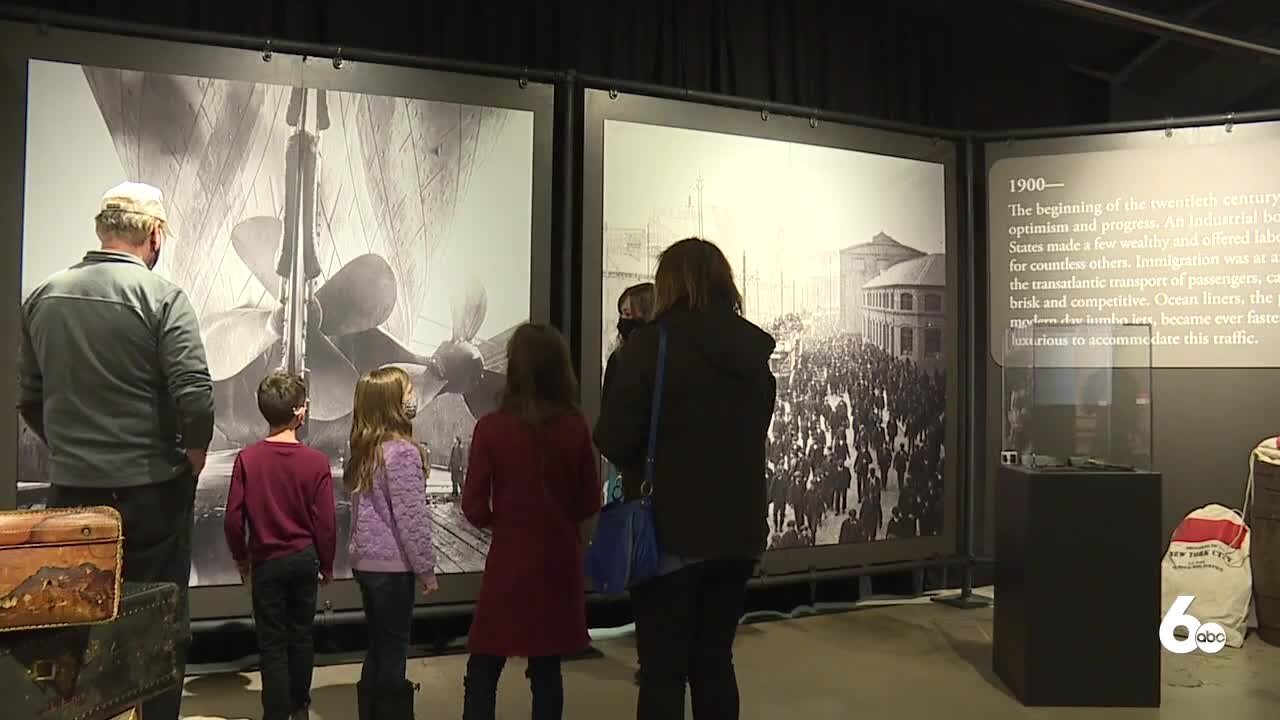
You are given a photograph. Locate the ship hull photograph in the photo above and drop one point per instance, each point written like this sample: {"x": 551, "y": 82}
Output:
{"x": 323, "y": 232}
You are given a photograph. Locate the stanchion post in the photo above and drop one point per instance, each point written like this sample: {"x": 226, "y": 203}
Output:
{"x": 966, "y": 599}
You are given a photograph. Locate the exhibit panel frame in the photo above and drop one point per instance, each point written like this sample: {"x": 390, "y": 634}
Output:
{"x": 1186, "y": 393}
{"x": 1169, "y": 135}
{"x": 27, "y": 42}
{"x": 602, "y": 105}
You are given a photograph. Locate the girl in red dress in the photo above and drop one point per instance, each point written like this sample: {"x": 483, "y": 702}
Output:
{"x": 533, "y": 480}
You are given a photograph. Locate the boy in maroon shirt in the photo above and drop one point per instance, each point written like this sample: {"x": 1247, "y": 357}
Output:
{"x": 281, "y": 528}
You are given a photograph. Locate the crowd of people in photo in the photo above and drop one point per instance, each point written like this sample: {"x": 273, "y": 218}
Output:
{"x": 853, "y": 424}
{"x": 135, "y": 436}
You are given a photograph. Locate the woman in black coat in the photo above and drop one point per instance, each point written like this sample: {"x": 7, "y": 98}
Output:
{"x": 709, "y": 488}
{"x": 635, "y": 308}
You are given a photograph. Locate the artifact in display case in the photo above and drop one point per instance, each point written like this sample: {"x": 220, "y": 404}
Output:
{"x": 1077, "y": 396}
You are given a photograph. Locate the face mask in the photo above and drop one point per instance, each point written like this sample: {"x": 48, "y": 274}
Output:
{"x": 155, "y": 258}
{"x": 411, "y": 409}
{"x": 626, "y": 326}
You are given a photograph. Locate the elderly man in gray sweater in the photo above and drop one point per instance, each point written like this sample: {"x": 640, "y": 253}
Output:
{"x": 113, "y": 378}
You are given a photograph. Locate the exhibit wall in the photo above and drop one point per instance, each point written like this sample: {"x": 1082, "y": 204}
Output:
{"x": 405, "y": 214}
{"x": 1175, "y": 229}
{"x": 842, "y": 242}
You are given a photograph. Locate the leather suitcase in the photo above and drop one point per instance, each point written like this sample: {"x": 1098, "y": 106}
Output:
{"x": 93, "y": 672}
{"x": 59, "y": 567}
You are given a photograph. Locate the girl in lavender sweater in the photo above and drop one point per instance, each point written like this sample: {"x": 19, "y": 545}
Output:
{"x": 390, "y": 547}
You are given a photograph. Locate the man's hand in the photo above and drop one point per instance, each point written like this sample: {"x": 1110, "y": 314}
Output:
{"x": 429, "y": 584}
{"x": 33, "y": 414}
{"x": 246, "y": 572}
{"x": 197, "y": 458}
{"x": 325, "y": 579}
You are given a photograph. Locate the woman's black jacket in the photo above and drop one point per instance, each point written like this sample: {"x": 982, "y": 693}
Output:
{"x": 718, "y": 399}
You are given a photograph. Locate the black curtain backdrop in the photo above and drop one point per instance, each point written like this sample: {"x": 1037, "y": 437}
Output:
{"x": 927, "y": 62}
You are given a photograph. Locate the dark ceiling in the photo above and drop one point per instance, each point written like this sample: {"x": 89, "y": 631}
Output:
{"x": 979, "y": 64}
{"x": 1155, "y": 74}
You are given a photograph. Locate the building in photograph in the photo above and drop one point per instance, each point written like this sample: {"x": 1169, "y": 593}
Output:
{"x": 858, "y": 265}
{"x": 904, "y": 312}
{"x": 630, "y": 253}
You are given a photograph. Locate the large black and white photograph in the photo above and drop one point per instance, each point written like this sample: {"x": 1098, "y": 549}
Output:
{"x": 841, "y": 255}
{"x": 324, "y": 232}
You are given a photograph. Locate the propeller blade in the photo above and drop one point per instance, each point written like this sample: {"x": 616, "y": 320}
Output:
{"x": 235, "y": 338}
{"x": 426, "y": 383}
{"x": 237, "y": 401}
{"x": 494, "y": 350}
{"x": 333, "y": 379}
{"x": 256, "y": 241}
{"x": 359, "y": 297}
{"x": 484, "y": 398}
{"x": 374, "y": 348}
{"x": 468, "y": 310}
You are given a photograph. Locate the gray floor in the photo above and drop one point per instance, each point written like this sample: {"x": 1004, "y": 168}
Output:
{"x": 918, "y": 660}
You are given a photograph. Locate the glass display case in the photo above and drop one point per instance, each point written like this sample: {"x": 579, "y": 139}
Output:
{"x": 1077, "y": 396}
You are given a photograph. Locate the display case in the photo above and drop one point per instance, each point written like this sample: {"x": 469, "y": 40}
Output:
{"x": 1077, "y": 395}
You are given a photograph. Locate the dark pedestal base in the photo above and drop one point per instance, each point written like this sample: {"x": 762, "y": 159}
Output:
{"x": 964, "y": 601}
{"x": 1078, "y": 581}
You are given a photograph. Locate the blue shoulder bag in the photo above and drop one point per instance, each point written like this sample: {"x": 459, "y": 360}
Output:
{"x": 624, "y": 552}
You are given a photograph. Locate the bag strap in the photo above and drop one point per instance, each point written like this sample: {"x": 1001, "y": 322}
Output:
{"x": 1248, "y": 488}
{"x": 650, "y": 458}
{"x": 1248, "y": 491}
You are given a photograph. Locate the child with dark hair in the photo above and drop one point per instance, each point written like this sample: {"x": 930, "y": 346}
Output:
{"x": 532, "y": 480}
{"x": 282, "y": 531}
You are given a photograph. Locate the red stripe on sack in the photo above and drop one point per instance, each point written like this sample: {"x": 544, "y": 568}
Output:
{"x": 1198, "y": 530}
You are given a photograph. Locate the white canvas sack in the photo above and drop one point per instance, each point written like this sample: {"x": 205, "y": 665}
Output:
{"x": 1208, "y": 558}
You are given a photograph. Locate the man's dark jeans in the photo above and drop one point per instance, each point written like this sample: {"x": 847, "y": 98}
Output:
{"x": 284, "y": 610}
{"x": 388, "y": 610}
{"x": 157, "y": 523}
{"x": 685, "y": 626}
{"x": 481, "y": 687}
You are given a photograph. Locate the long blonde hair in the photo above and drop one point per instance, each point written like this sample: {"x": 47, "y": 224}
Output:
{"x": 378, "y": 416}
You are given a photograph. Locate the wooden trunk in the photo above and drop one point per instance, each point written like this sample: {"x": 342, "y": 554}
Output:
{"x": 59, "y": 567}
{"x": 98, "y": 671}
{"x": 1264, "y": 554}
